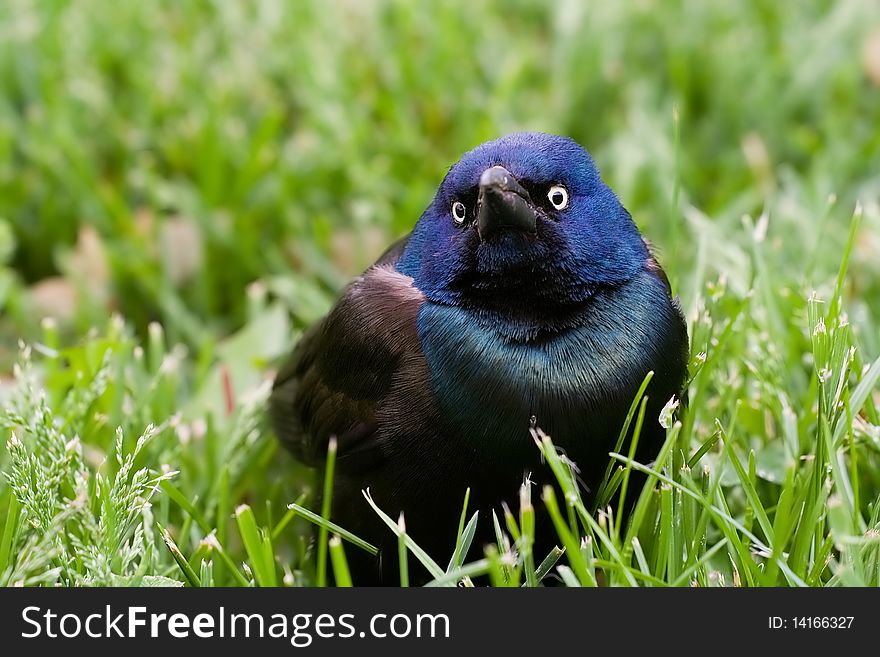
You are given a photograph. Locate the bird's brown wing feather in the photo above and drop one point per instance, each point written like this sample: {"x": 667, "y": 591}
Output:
{"x": 345, "y": 368}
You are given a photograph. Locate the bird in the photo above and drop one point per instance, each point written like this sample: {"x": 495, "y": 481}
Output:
{"x": 524, "y": 296}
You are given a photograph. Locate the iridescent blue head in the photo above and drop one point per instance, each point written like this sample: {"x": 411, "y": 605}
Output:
{"x": 522, "y": 222}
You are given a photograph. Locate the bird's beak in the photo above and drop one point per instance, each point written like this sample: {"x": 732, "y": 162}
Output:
{"x": 503, "y": 204}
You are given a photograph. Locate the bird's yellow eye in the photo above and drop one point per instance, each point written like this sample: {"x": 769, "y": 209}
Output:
{"x": 558, "y": 197}
{"x": 459, "y": 212}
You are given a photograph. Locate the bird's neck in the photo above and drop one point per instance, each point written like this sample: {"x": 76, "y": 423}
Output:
{"x": 525, "y": 305}
{"x": 574, "y": 382}
{"x": 522, "y": 314}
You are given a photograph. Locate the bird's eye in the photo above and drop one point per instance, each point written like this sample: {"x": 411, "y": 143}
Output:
{"x": 459, "y": 212}
{"x": 558, "y": 197}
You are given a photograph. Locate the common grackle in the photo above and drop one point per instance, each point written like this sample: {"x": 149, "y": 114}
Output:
{"x": 524, "y": 295}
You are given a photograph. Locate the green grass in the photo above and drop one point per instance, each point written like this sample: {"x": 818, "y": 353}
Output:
{"x": 184, "y": 187}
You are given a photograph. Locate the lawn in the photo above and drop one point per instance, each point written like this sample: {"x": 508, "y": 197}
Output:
{"x": 184, "y": 187}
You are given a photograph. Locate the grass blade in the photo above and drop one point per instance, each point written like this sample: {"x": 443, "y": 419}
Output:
{"x": 258, "y": 546}
{"x": 549, "y": 561}
{"x": 431, "y": 565}
{"x": 326, "y": 505}
{"x": 189, "y": 574}
{"x": 314, "y": 518}
{"x": 9, "y": 530}
{"x": 340, "y": 565}
{"x": 402, "y": 554}
{"x": 459, "y": 549}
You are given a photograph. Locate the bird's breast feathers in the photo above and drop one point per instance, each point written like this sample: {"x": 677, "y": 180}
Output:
{"x": 494, "y": 386}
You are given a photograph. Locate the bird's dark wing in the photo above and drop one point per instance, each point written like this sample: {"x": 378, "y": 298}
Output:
{"x": 348, "y": 368}
{"x": 655, "y": 268}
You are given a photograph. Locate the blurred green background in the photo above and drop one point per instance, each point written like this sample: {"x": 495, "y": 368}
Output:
{"x": 185, "y": 186}
{"x": 157, "y": 158}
